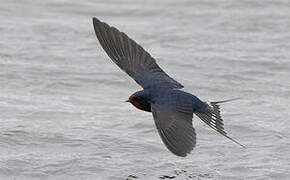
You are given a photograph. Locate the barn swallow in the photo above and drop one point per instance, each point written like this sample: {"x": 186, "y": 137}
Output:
{"x": 172, "y": 108}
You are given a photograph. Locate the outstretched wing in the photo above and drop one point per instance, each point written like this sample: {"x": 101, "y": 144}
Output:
{"x": 132, "y": 58}
{"x": 174, "y": 124}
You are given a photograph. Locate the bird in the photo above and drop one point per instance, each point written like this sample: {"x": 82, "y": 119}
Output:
{"x": 172, "y": 108}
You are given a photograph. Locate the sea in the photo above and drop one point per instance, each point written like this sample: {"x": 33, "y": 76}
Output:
{"x": 62, "y": 109}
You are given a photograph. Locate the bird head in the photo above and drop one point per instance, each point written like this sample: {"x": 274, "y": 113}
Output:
{"x": 132, "y": 98}
{"x": 139, "y": 102}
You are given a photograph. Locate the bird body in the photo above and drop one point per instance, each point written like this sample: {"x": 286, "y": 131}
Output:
{"x": 169, "y": 97}
{"x": 174, "y": 97}
{"x": 172, "y": 108}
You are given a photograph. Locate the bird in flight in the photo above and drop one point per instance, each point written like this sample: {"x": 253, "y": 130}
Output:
{"x": 172, "y": 108}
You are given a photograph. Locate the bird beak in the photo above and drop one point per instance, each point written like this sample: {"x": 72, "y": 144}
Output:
{"x": 127, "y": 100}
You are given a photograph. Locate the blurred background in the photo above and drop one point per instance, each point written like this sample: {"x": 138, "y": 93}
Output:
{"x": 62, "y": 109}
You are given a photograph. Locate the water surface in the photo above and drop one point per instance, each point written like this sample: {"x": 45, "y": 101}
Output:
{"x": 61, "y": 99}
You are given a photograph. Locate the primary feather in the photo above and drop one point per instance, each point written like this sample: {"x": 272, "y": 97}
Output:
{"x": 132, "y": 58}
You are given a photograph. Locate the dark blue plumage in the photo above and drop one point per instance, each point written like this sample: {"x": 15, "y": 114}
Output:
{"x": 172, "y": 108}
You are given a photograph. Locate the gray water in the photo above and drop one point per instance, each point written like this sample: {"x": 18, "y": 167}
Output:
{"x": 62, "y": 109}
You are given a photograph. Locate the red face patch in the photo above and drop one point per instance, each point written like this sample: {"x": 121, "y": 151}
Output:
{"x": 134, "y": 100}
{"x": 132, "y": 97}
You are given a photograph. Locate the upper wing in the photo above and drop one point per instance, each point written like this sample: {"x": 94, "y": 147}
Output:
{"x": 174, "y": 124}
{"x": 132, "y": 58}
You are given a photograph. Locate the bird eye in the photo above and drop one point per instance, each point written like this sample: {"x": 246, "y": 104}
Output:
{"x": 133, "y": 97}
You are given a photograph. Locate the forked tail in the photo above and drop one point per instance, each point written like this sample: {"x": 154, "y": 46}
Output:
{"x": 212, "y": 117}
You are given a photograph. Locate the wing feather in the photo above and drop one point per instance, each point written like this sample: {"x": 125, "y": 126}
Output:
{"x": 132, "y": 58}
{"x": 175, "y": 128}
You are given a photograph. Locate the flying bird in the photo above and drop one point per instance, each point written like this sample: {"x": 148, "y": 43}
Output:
{"x": 172, "y": 108}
